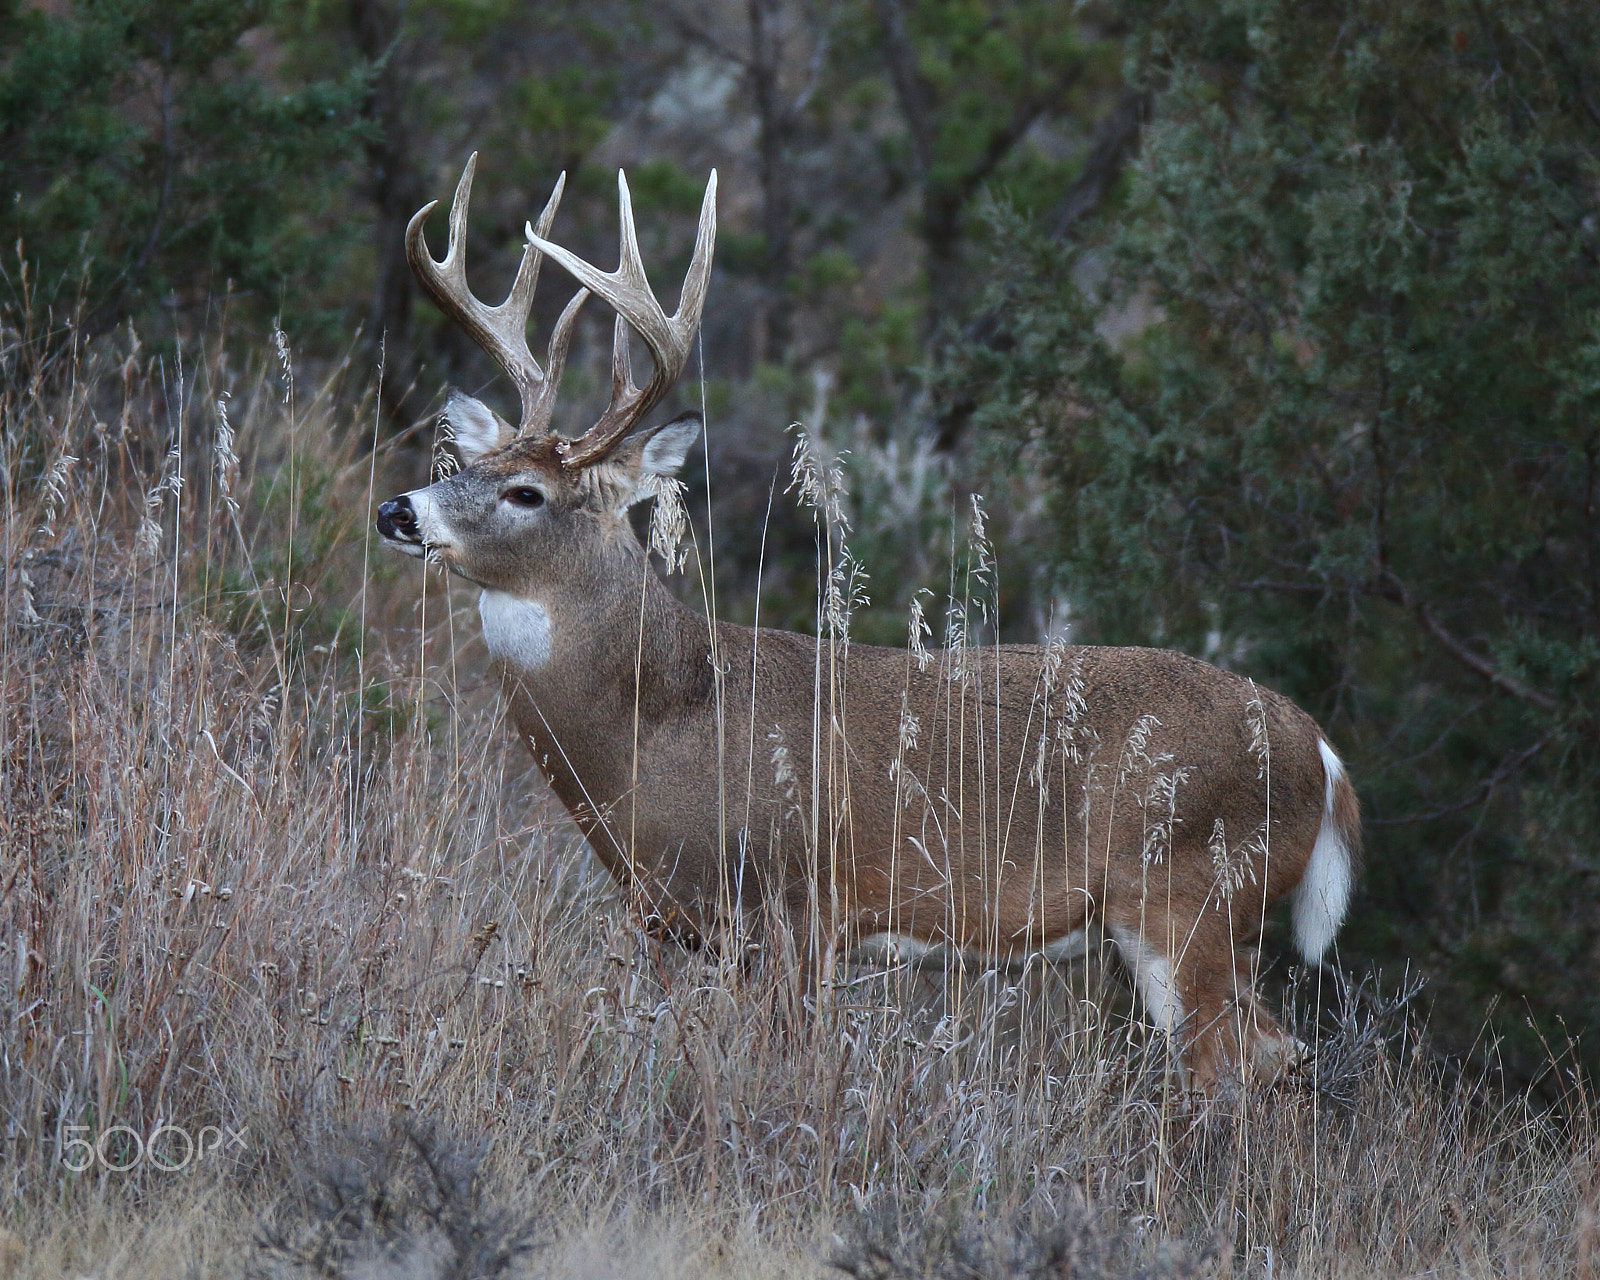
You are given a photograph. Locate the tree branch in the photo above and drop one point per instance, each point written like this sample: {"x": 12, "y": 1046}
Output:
{"x": 1479, "y": 794}
{"x": 907, "y": 81}
{"x": 693, "y": 30}
{"x": 819, "y": 60}
{"x": 1113, "y": 141}
{"x": 1003, "y": 140}
{"x": 1398, "y": 592}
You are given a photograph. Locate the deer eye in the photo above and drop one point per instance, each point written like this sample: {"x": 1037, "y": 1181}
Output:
{"x": 525, "y": 496}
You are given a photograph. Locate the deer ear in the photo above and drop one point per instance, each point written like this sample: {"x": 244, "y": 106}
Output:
{"x": 474, "y": 426}
{"x": 642, "y": 455}
{"x": 668, "y": 445}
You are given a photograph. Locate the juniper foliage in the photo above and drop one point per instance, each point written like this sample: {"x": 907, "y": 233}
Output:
{"x": 150, "y": 161}
{"x": 1322, "y": 402}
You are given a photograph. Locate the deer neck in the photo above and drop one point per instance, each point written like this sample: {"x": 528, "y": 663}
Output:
{"x": 588, "y": 673}
{"x": 589, "y": 677}
{"x": 604, "y": 637}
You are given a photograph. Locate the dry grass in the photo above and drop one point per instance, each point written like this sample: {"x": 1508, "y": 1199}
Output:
{"x": 270, "y": 865}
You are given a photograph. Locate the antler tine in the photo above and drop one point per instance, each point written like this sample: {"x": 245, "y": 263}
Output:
{"x": 546, "y": 216}
{"x": 537, "y": 419}
{"x": 621, "y": 362}
{"x": 693, "y": 298}
{"x": 627, "y": 290}
{"x": 501, "y": 331}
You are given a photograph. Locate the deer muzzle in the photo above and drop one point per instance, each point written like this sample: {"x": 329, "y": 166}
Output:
{"x": 397, "y": 524}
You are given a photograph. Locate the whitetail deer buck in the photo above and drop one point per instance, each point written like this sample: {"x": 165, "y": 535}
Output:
{"x": 1009, "y": 800}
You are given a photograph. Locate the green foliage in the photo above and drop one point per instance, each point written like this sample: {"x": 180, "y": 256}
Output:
{"x": 144, "y": 156}
{"x": 664, "y": 184}
{"x": 990, "y": 67}
{"x": 971, "y": 79}
{"x": 874, "y": 352}
{"x": 1340, "y": 427}
{"x": 565, "y": 109}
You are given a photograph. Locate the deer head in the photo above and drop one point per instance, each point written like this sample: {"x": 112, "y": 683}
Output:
{"x": 531, "y": 508}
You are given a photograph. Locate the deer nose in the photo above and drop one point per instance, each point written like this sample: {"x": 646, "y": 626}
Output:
{"x": 397, "y": 519}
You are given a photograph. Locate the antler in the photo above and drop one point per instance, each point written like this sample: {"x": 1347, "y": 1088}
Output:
{"x": 501, "y": 331}
{"x": 628, "y": 291}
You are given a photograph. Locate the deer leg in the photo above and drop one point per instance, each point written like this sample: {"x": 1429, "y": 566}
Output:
{"x": 1154, "y": 978}
{"x": 1270, "y": 1050}
{"x": 1205, "y": 995}
{"x": 809, "y": 953}
{"x": 1196, "y": 985}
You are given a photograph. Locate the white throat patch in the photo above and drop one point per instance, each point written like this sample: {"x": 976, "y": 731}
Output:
{"x": 516, "y": 631}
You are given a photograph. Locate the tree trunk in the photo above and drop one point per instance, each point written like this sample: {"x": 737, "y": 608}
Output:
{"x": 775, "y": 126}
{"x": 393, "y": 185}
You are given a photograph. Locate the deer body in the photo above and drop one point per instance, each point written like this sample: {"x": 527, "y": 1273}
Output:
{"x": 1005, "y": 799}
{"x": 958, "y": 838}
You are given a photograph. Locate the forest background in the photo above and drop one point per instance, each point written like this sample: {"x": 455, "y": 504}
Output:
{"x": 1268, "y": 330}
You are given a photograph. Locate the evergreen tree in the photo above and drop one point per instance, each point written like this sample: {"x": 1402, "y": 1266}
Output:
{"x": 1323, "y": 403}
{"x": 145, "y": 155}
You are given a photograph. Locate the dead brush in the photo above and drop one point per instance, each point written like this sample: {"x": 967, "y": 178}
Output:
{"x": 263, "y": 871}
{"x": 407, "y": 1201}
{"x": 889, "y": 1244}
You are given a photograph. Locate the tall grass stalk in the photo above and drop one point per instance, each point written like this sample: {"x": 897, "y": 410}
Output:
{"x": 270, "y": 864}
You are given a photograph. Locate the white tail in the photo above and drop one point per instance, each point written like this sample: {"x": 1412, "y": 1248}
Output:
{"x": 1323, "y": 895}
